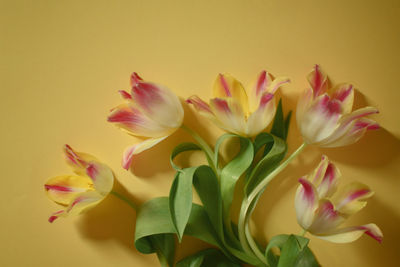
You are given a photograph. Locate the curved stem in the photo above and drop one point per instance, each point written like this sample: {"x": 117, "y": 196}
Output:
{"x": 253, "y": 244}
{"x": 244, "y": 211}
{"x": 274, "y": 173}
{"x": 125, "y": 199}
{"x": 303, "y": 232}
{"x": 241, "y": 228}
{"x": 203, "y": 144}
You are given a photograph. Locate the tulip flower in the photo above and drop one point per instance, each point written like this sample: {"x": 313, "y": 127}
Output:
{"x": 324, "y": 115}
{"x": 150, "y": 111}
{"x": 322, "y": 206}
{"x": 91, "y": 183}
{"x": 237, "y": 111}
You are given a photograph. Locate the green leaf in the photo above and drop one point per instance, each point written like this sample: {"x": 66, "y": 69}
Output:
{"x": 287, "y": 123}
{"x": 293, "y": 252}
{"x": 206, "y": 258}
{"x": 268, "y": 163}
{"x": 188, "y": 146}
{"x": 207, "y": 187}
{"x": 180, "y": 199}
{"x": 164, "y": 245}
{"x": 280, "y": 126}
{"x": 206, "y": 183}
{"x": 231, "y": 173}
{"x": 153, "y": 218}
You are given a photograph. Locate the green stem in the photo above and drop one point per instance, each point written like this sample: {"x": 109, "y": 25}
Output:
{"x": 245, "y": 214}
{"x": 203, "y": 144}
{"x": 241, "y": 229}
{"x": 253, "y": 245}
{"x": 303, "y": 232}
{"x": 125, "y": 199}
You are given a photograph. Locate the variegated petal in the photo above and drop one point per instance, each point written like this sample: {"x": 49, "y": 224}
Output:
{"x": 63, "y": 189}
{"x": 226, "y": 86}
{"x": 351, "y": 234}
{"x": 137, "y": 148}
{"x": 306, "y": 203}
{"x": 350, "y": 198}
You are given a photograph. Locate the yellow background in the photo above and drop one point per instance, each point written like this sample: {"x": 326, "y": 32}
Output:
{"x": 62, "y": 63}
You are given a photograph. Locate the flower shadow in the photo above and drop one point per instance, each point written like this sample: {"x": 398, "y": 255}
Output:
{"x": 113, "y": 221}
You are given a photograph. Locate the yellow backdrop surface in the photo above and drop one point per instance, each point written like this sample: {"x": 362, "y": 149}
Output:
{"x": 62, "y": 63}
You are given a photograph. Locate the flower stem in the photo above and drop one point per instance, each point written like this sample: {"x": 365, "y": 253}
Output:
{"x": 203, "y": 144}
{"x": 244, "y": 232}
{"x": 303, "y": 232}
{"x": 125, "y": 199}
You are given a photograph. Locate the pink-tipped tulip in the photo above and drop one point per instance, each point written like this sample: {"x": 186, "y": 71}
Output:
{"x": 237, "y": 111}
{"x": 91, "y": 183}
{"x": 321, "y": 207}
{"x": 324, "y": 115}
{"x": 151, "y": 111}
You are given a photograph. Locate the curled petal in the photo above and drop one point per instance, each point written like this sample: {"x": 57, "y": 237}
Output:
{"x": 135, "y": 122}
{"x": 137, "y": 148}
{"x": 351, "y": 234}
{"x": 276, "y": 83}
{"x": 318, "y": 81}
{"x": 306, "y": 203}
{"x": 351, "y": 198}
{"x": 262, "y": 117}
{"x": 345, "y": 94}
{"x": 326, "y": 218}
{"x": 81, "y": 203}
{"x": 63, "y": 189}
{"x": 229, "y": 114}
{"x": 226, "y": 86}
{"x": 158, "y": 103}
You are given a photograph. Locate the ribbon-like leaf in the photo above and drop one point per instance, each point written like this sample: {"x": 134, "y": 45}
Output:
{"x": 188, "y": 146}
{"x": 232, "y": 172}
{"x": 269, "y": 162}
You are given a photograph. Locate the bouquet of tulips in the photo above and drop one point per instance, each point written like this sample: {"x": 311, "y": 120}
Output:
{"x": 322, "y": 202}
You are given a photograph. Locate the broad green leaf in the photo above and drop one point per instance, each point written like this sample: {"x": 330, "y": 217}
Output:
{"x": 207, "y": 258}
{"x": 268, "y": 163}
{"x": 153, "y": 218}
{"x": 188, "y": 146}
{"x": 164, "y": 245}
{"x": 206, "y": 183}
{"x": 180, "y": 199}
{"x": 293, "y": 252}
